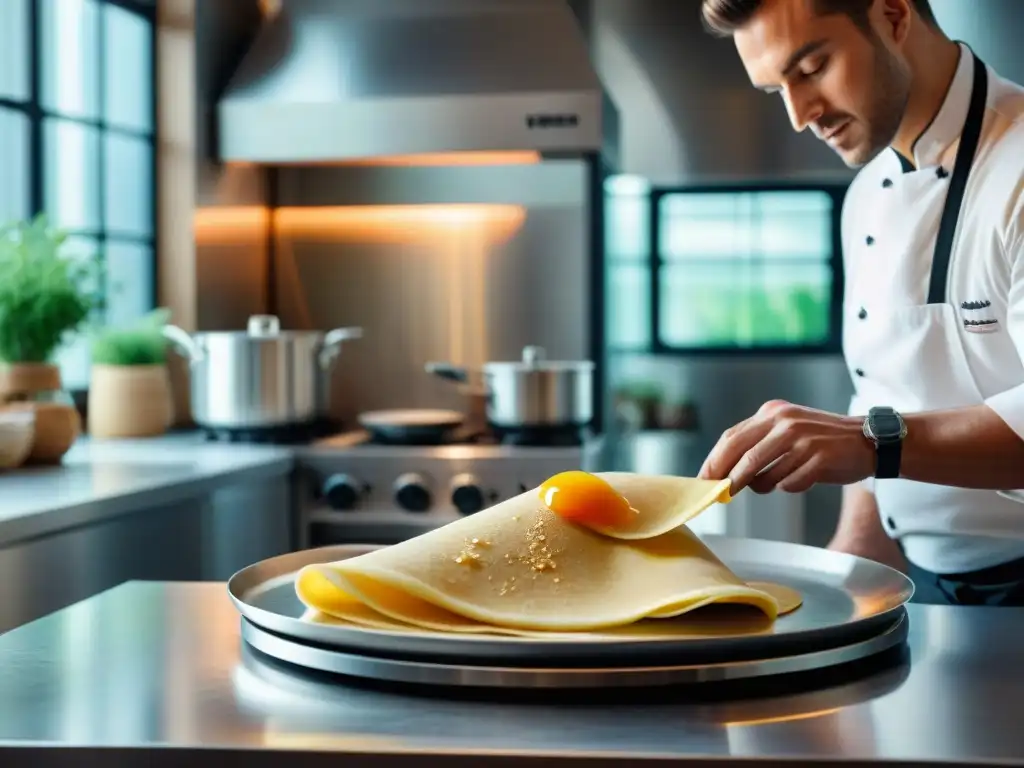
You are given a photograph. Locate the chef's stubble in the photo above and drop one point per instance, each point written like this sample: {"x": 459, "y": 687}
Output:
{"x": 891, "y": 89}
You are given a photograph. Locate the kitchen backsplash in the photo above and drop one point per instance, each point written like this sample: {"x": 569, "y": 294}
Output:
{"x": 457, "y": 264}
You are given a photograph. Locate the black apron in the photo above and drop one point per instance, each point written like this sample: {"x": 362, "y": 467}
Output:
{"x": 1001, "y": 584}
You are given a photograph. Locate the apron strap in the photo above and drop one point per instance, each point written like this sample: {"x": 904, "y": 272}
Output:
{"x": 958, "y": 184}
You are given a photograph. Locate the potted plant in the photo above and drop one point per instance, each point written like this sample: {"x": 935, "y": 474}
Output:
{"x": 129, "y": 387}
{"x": 44, "y": 297}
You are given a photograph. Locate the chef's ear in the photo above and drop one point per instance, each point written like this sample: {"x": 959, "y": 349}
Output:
{"x": 896, "y": 17}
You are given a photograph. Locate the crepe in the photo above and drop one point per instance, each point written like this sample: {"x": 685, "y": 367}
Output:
{"x": 658, "y": 503}
{"x": 518, "y": 568}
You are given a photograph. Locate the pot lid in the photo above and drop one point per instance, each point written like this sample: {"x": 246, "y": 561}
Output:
{"x": 535, "y": 359}
{"x": 262, "y": 327}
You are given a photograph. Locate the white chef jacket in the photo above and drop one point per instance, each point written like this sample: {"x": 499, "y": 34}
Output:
{"x": 914, "y": 356}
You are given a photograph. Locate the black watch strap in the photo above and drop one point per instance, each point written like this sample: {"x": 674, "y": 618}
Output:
{"x": 887, "y": 459}
{"x": 886, "y": 428}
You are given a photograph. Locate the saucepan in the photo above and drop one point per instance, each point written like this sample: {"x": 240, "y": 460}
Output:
{"x": 532, "y": 392}
{"x": 262, "y": 376}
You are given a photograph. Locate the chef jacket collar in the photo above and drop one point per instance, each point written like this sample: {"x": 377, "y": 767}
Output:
{"x": 948, "y": 123}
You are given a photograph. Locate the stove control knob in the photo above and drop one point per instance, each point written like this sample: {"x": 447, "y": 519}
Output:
{"x": 412, "y": 492}
{"x": 467, "y": 495}
{"x": 342, "y": 492}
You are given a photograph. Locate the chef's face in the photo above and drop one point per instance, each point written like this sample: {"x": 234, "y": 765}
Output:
{"x": 847, "y": 83}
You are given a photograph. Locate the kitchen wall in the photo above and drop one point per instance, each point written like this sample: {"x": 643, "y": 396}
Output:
{"x": 991, "y": 27}
{"x": 463, "y": 265}
{"x": 688, "y": 111}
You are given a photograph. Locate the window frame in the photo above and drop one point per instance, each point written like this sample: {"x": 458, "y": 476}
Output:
{"x": 32, "y": 108}
{"x": 832, "y": 344}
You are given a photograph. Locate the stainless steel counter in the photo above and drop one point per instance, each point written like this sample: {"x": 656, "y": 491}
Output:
{"x": 100, "y": 479}
{"x": 154, "y": 673}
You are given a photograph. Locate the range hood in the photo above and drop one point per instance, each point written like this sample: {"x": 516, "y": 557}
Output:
{"x": 332, "y": 81}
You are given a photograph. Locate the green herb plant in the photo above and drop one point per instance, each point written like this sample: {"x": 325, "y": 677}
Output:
{"x": 139, "y": 344}
{"x": 44, "y": 296}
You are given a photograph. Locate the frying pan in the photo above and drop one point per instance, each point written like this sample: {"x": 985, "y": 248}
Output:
{"x": 414, "y": 426}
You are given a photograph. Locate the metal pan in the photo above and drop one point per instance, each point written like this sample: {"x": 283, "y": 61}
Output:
{"x": 269, "y": 685}
{"x": 553, "y": 677}
{"x": 412, "y": 426}
{"x": 846, "y": 599}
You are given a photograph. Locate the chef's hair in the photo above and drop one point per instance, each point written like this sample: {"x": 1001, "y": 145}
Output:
{"x": 723, "y": 17}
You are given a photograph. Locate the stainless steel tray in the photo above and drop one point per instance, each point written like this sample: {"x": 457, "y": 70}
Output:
{"x": 847, "y": 599}
{"x": 326, "y": 659}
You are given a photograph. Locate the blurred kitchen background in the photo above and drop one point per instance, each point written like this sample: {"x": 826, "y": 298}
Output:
{"x": 231, "y": 158}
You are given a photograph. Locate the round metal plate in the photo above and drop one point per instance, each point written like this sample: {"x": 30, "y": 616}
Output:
{"x": 478, "y": 676}
{"x": 846, "y": 599}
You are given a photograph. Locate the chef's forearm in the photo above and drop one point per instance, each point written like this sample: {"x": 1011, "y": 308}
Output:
{"x": 966, "y": 447}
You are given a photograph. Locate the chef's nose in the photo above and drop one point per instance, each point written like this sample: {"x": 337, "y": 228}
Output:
{"x": 803, "y": 106}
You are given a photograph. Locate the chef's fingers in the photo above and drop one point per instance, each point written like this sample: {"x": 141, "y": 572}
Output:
{"x": 732, "y": 445}
{"x": 769, "y": 477}
{"x": 778, "y": 442}
{"x": 807, "y": 474}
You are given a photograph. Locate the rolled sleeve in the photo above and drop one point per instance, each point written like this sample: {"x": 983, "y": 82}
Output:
{"x": 1010, "y": 407}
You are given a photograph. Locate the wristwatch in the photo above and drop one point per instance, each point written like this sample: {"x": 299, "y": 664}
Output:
{"x": 886, "y": 429}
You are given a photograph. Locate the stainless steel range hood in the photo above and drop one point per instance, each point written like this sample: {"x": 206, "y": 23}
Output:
{"x": 329, "y": 81}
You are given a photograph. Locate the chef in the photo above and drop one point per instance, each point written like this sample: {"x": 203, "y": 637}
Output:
{"x": 931, "y": 450}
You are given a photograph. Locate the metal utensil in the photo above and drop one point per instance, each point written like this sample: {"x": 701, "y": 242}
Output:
{"x": 262, "y": 376}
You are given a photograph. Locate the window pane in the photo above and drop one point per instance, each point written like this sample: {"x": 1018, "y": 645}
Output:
{"x": 627, "y": 218}
{"x": 794, "y": 225}
{"x": 69, "y": 43}
{"x": 14, "y": 49}
{"x": 73, "y": 357}
{"x": 14, "y": 190}
{"x": 629, "y": 305}
{"x": 128, "y": 185}
{"x": 129, "y": 69}
{"x": 70, "y": 154}
{"x": 705, "y": 226}
{"x": 129, "y": 282}
{"x": 744, "y": 304}
{"x": 776, "y": 224}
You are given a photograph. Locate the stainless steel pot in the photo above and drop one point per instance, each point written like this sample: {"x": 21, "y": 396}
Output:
{"x": 262, "y": 376}
{"x": 533, "y": 392}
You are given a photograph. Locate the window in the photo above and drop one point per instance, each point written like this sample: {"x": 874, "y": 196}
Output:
{"x": 77, "y": 141}
{"x": 731, "y": 269}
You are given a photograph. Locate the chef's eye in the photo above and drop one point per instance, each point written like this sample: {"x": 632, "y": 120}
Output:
{"x": 814, "y": 67}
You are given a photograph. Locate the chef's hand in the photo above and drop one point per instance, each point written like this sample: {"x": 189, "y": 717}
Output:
{"x": 791, "y": 448}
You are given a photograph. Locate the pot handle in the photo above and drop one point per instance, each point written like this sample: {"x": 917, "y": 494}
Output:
{"x": 184, "y": 343}
{"x": 448, "y": 371}
{"x": 330, "y": 348}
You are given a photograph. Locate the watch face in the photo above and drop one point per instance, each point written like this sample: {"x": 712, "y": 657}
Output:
{"x": 886, "y": 426}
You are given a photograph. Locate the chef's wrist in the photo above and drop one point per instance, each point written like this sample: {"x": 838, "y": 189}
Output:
{"x": 964, "y": 447}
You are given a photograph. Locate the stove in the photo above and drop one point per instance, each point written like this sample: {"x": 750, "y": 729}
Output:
{"x": 352, "y": 490}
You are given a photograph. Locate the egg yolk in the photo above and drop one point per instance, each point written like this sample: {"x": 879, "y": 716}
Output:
{"x": 583, "y": 498}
